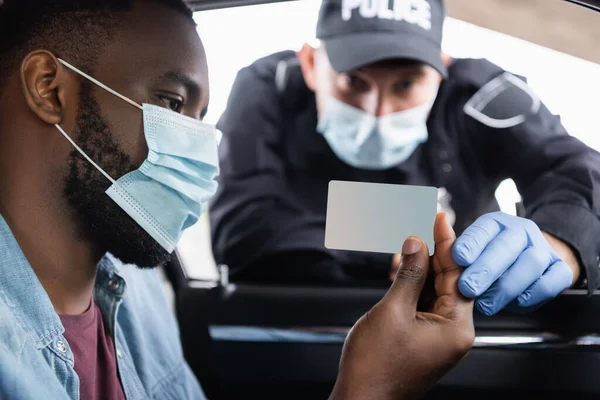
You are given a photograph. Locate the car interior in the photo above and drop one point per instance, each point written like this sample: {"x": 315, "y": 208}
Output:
{"x": 257, "y": 341}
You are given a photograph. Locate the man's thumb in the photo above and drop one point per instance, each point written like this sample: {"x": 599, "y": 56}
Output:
{"x": 412, "y": 274}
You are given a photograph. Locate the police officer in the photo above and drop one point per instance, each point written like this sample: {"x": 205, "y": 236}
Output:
{"x": 378, "y": 102}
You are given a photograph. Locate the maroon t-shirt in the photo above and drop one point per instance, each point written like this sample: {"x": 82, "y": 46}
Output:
{"x": 94, "y": 353}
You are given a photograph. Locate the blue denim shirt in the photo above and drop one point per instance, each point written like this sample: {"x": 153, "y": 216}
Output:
{"x": 36, "y": 361}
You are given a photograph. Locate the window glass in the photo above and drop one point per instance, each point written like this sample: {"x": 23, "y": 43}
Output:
{"x": 236, "y": 37}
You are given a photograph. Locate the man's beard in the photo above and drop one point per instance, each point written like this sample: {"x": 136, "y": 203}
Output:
{"x": 100, "y": 220}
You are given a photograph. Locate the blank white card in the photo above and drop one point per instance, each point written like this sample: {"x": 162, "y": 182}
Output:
{"x": 377, "y": 217}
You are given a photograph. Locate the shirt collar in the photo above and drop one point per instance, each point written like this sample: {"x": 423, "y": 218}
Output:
{"x": 24, "y": 294}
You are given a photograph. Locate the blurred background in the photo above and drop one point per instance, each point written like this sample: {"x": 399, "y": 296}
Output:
{"x": 554, "y": 44}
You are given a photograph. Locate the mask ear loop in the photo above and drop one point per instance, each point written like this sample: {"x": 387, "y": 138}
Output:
{"x": 83, "y": 154}
{"x": 103, "y": 86}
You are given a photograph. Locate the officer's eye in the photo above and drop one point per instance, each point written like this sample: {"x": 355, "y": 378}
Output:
{"x": 354, "y": 82}
{"x": 173, "y": 104}
{"x": 405, "y": 85}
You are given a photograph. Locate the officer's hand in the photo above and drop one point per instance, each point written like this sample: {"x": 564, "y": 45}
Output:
{"x": 510, "y": 263}
{"x": 396, "y": 352}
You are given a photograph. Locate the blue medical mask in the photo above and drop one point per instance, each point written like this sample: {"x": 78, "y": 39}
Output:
{"x": 363, "y": 140}
{"x": 169, "y": 192}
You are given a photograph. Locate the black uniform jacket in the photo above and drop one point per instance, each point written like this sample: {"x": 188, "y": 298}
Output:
{"x": 268, "y": 216}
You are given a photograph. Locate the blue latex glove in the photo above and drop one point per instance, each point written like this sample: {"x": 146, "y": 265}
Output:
{"x": 509, "y": 263}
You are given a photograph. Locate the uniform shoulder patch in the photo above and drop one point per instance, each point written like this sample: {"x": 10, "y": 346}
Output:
{"x": 283, "y": 73}
{"x": 504, "y": 102}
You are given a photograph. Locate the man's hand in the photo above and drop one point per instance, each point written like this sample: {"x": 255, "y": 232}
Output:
{"x": 395, "y": 352}
{"x": 511, "y": 263}
{"x": 395, "y": 265}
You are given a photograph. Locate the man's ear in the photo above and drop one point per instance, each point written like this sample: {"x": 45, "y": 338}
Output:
{"x": 446, "y": 59}
{"x": 42, "y": 82}
{"x": 306, "y": 55}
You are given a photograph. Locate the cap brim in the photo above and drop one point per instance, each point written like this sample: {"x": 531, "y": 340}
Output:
{"x": 349, "y": 52}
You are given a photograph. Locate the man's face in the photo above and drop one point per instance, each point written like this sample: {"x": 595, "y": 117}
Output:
{"x": 158, "y": 59}
{"x": 379, "y": 89}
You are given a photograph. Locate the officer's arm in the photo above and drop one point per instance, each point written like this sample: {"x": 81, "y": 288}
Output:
{"x": 513, "y": 135}
{"x": 258, "y": 227}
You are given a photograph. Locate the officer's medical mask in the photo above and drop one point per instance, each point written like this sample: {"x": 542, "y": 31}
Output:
{"x": 363, "y": 140}
{"x": 168, "y": 193}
